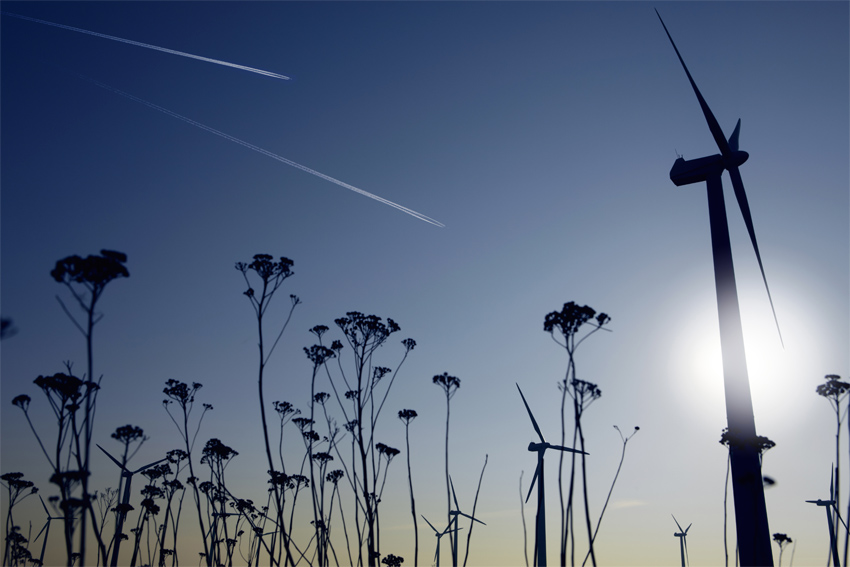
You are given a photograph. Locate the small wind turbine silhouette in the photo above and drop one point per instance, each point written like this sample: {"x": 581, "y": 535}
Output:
{"x": 125, "y": 499}
{"x": 833, "y": 543}
{"x": 439, "y": 535}
{"x": 750, "y": 510}
{"x": 45, "y": 529}
{"x": 454, "y": 514}
{"x": 540, "y": 448}
{"x": 683, "y": 542}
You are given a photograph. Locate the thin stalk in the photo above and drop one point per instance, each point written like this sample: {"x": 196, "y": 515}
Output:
{"x": 474, "y": 505}
{"x": 522, "y": 514}
{"x": 412, "y": 500}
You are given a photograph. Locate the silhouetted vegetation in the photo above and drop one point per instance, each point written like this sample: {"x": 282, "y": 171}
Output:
{"x": 342, "y": 458}
{"x": 835, "y": 391}
{"x": 782, "y": 541}
{"x": 566, "y": 329}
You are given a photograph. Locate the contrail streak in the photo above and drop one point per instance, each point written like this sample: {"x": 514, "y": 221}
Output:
{"x": 401, "y": 208}
{"x": 149, "y": 46}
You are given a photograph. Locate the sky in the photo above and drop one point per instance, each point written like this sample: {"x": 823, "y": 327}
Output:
{"x": 541, "y": 135}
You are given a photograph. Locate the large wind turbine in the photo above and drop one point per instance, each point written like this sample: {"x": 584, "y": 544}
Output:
{"x": 750, "y": 511}
{"x": 540, "y": 448}
{"x": 683, "y": 542}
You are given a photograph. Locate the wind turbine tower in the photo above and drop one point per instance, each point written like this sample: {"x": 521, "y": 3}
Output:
{"x": 750, "y": 510}
{"x": 540, "y": 449}
{"x": 833, "y": 541}
{"x": 683, "y": 542}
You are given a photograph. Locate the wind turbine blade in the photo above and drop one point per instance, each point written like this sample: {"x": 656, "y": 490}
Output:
{"x": 46, "y": 525}
{"x": 140, "y": 469}
{"x": 716, "y": 131}
{"x": 562, "y": 448}
{"x": 831, "y": 485}
{"x": 436, "y": 531}
{"x": 533, "y": 480}
{"x": 43, "y": 505}
{"x": 838, "y": 513}
{"x": 733, "y": 139}
{"x": 531, "y": 415}
{"x": 451, "y": 482}
{"x": 471, "y": 518}
{"x": 741, "y": 196}
{"x": 674, "y": 517}
{"x": 689, "y": 527}
{"x": 114, "y": 460}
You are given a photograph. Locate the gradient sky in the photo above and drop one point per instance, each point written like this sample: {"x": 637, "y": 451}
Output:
{"x": 541, "y": 135}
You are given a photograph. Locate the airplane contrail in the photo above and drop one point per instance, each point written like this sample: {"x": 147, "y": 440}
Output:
{"x": 248, "y": 145}
{"x": 149, "y": 46}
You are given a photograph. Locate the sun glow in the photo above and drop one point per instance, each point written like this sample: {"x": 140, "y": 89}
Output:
{"x": 775, "y": 373}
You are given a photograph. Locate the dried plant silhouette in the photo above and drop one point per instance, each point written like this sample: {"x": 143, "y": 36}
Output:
{"x": 760, "y": 444}
{"x": 449, "y": 385}
{"x": 232, "y": 529}
{"x": 68, "y": 396}
{"x": 782, "y": 541}
{"x": 18, "y": 489}
{"x": 271, "y": 275}
{"x": 406, "y": 416}
{"x": 569, "y": 327}
{"x": 835, "y": 392}
{"x": 625, "y": 440}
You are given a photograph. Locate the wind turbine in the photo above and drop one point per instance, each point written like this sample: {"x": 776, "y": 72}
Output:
{"x": 540, "y": 448}
{"x": 439, "y": 535}
{"x": 45, "y": 529}
{"x": 125, "y": 500}
{"x": 683, "y": 542}
{"x": 833, "y": 543}
{"x": 454, "y": 514}
{"x": 750, "y": 511}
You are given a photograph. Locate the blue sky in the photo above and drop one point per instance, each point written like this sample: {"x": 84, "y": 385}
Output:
{"x": 541, "y": 135}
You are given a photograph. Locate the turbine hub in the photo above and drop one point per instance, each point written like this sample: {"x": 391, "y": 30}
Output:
{"x": 735, "y": 159}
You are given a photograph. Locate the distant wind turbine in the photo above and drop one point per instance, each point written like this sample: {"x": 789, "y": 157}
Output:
{"x": 149, "y": 46}
{"x": 439, "y": 535}
{"x": 125, "y": 500}
{"x": 833, "y": 540}
{"x": 683, "y": 543}
{"x": 454, "y": 514}
{"x": 750, "y": 511}
{"x": 45, "y": 530}
{"x": 540, "y": 448}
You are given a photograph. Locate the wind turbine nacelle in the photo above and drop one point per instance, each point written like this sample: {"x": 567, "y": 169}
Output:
{"x": 536, "y": 447}
{"x": 685, "y": 172}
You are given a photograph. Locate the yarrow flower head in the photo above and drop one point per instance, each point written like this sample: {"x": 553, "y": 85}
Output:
{"x": 449, "y": 384}
{"x": 407, "y": 415}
